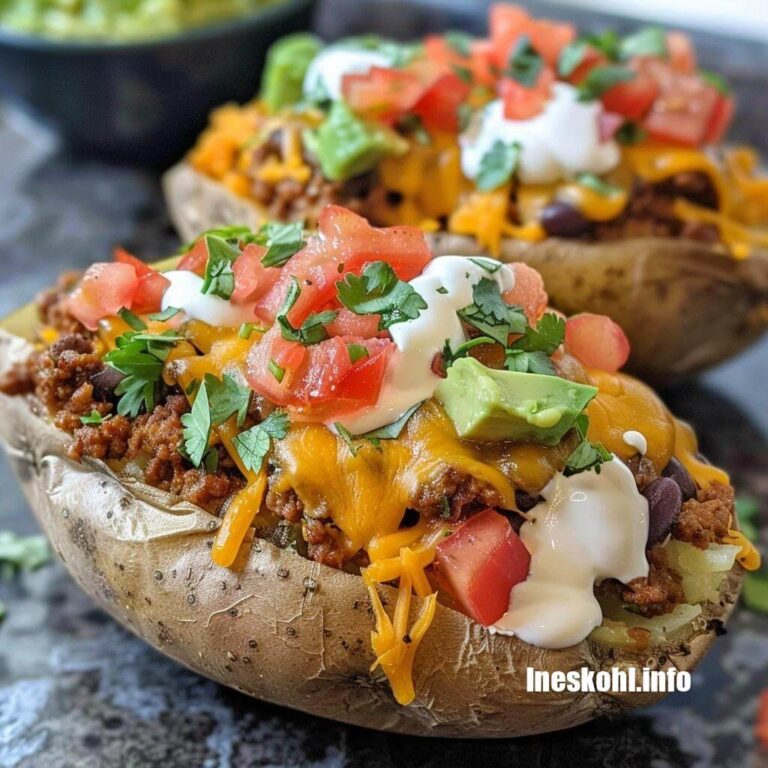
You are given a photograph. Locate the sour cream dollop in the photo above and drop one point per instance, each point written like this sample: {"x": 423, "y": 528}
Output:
{"x": 446, "y": 285}
{"x": 557, "y": 144}
{"x": 589, "y": 528}
{"x": 185, "y": 293}
{"x": 326, "y": 71}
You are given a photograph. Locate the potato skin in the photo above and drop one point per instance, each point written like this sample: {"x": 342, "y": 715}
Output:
{"x": 685, "y": 305}
{"x": 282, "y": 628}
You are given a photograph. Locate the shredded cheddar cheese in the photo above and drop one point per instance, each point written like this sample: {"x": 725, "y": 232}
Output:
{"x": 749, "y": 557}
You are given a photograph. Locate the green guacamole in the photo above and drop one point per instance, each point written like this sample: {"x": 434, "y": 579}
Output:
{"x": 118, "y": 20}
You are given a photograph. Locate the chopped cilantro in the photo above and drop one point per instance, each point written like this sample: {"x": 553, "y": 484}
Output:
{"x": 226, "y": 398}
{"x": 601, "y": 79}
{"x": 196, "y": 430}
{"x": 596, "y": 184}
{"x": 460, "y": 42}
{"x": 378, "y": 291}
{"x": 648, "y": 41}
{"x": 281, "y": 240}
{"x": 140, "y": 357}
{"x": 94, "y": 418}
{"x": 528, "y": 362}
{"x": 491, "y": 266}
{"x": 254, "y": 444}
{"x": 246, "y": 329}
{"x": 346, "y": 436}
{"x": 450, "y": 356}
{"x": 356, "y": 352}
{"x": 491, "y": 315}
{"x": 441, "y": 290}
{"x": 586, "y": 455}
{"x": 571, "y": 56}
{"x": 22, "y": 553}
{"x": 312, "y": 330}
{"x": 630, "y": 133}
{"x": 498, "y": 165}
{"x": 166, "y": 314}
{"x": 234, "y": 234}
{"x": 715, "y": 80}
{"x": 393, "y": 430}
{"x": 525, "y": 64}
{"x": 219, "y": 278}
{"x": 277, "y": 371}
{"x": 132, "y": 320}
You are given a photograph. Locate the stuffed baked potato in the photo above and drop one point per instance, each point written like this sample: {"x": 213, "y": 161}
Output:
{"x": 596, "y": 159}
{"x": 312, "y": 470}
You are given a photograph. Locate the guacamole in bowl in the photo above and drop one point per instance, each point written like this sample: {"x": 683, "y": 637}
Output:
{"x": 119, "y": 20}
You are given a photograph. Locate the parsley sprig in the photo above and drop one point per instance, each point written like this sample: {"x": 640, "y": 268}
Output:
{"x": 379, "y": 291}
{"x": 254, "y": 444}
{"x": 498, "y": 165}
{"x": 491, "y": 315}
{"x": 587, "y": 455}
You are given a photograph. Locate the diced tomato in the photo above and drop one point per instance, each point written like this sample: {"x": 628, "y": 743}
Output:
{"x": 252, "y": 278}
{"x": 480, "y": 563}
{"x": 321, "y": 380}
{"x": 106, "y": 288}
{"x": 521, "y": 103}
{"x": 633, "y": 98}
{"x": 683, "y": 110}
{"x": 528, "y": 292}
{"x": 347, "y": 323}
{"x": 607, "y": 125}
{"x": 152, "y": 285}
{"x": 195, "y": 259}
{"x": 592, "y": 58}
{"x": 721, "y": 118}
{"x": 682, "y": 56}
{"x": 481, "y": 62}
{"x": 382, "y": 93}
{"x": 438, "y": 108}
{"x": 345, "y": 243}
{"x": 509, "y": 22}
{"x": 596, "y": 341}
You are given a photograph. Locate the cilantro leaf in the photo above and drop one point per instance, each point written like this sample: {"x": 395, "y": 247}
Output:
{"x": 649, "y": 41}
{"x": 630, "y": 133}
{"x": 140, "y": 357}
{"x": 166, "y": 314}
{"x": 528, "y": 362}
{"x": 219, "y": 279}
{"x": 197, "y": 427}
{"x": 379, "y": 291}
{"x": 227, "y": 397}
{"x": 346, "y": 436}
{"x": 525, "y": 64}
{"x": 281, "y": 240}
{"x": 586, "y": 455}
{"x": 571, "y": 56}
{"x": 606, "y": 42}
{"x": 460, "y": 42}
{"x": 546, "y": 337}
{"x": 490, "y": 314}
{"x": 498, "y": 165}
{"x": 22, "y": 553}
{"x": 491, "y": 266}
{"x": 450, "y": 356}
{"x": 234, "y": 234}
{"x": 601, "y": 79}
{"x": 254, "y": 444}
{"x": 393, "y": 430}
{"x": 312, "y": 330}
{"x": 94, "y": 417}
{"x": 132, "y": 320}
{"x": 715, "y": 80}
{"x": 596, "y": 184}
{"x": 357, "y": 352}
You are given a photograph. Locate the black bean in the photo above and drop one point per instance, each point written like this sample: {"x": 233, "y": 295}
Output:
{"x": 562, "y": 220}
{"x": 105, "y": 381}
{"x": 677, "y": 472}
{"x": 525, "y": 501}
{"x": 664, "y": 501}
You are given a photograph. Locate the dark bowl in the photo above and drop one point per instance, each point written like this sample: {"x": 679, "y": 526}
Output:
{"x": 142, "y": 102}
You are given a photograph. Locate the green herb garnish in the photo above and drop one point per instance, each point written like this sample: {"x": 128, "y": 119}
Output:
{"x": 346, "y": 436}
{"x": 134, "y": 321}
{"x": 196, "y": 430}
{"x": 281, "y": 240}
{"x": 596, "y": 184}
{"x": 313, "y": 329}
{"x": 357, "y": 352}
{"x": 379, "y": 291}
{"x": 219, "y": 278}
{"x": 649, "y": 41}
{"x": 166, "y": 314}
{"x": 391, "y": 431}
{"x": 602, "y": 79}
{"x": 254, "y": 444}
{"x": 227, "y": 397}
{"x": 715, "y": 80}
{"x": 498, "y": 165}
{"x": 93, "y": 418}
{"x": 525, "y": 64}
{"x": 491, "y": 315}
{"x": 586, "y": 455}
{"x": 277, "y": 371}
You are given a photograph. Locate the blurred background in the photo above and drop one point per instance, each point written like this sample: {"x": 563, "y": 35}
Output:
{"x": 86, "y": 129}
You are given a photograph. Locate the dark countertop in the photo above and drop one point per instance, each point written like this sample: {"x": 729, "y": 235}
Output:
{"x": 77, "y": 690}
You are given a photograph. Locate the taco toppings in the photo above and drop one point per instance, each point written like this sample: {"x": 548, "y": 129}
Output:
{"x": 426, "y": 423}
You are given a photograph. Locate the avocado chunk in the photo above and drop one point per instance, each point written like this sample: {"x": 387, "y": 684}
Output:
{"x": 486, "y": 404}
{"x": 346, "y": 146}
{"x": 287, "y": 63}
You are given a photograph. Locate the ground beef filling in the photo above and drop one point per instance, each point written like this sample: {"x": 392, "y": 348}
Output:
{"x": 706, "y": 519}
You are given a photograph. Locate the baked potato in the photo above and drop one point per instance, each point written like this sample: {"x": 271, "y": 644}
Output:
{"x": 596, "y": 159}
{"x": 192, "y": 556}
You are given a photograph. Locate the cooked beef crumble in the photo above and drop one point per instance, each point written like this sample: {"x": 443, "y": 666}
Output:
{"x": 706, "y": 518}
{"x": 660, "y": 591}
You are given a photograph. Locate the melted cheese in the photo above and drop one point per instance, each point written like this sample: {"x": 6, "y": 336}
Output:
{"x": 592, "y": 204}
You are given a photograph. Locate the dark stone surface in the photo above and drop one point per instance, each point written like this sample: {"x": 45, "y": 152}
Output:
{"x": 77, "y": 690}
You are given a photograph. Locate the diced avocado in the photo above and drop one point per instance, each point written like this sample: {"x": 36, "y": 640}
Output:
{"x": 486, "y": 404}
{"x": 287, "y": 62}
{"x": 346, "y": 146}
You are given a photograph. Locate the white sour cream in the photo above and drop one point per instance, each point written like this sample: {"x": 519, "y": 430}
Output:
{"x": 185, "y": 293}
{"x": 557, "y": 144}
{"x": 328, "y": 68}
{"x": 446, "y": 285}
{"x": 589, "y": 527}
{"x": 636, "y": 440}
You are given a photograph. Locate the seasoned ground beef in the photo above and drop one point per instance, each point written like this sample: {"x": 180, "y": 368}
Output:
{"x": 706, "y": 518}
{"x": 643, "y": 471}
{"x": 284, "y": 504}
{"x": 105, "y": 441}
{"x": 53, "y": 310}
{"x": 453, "y": 494}
{"x": 324, "y": 543}
{"x": 660, "y": 591}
